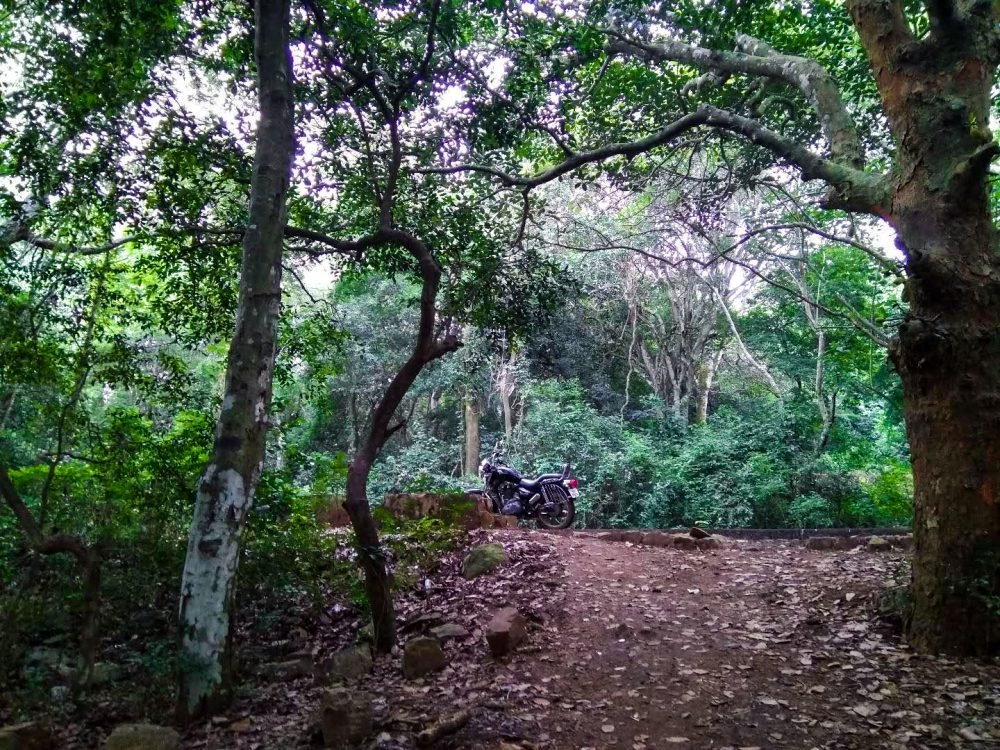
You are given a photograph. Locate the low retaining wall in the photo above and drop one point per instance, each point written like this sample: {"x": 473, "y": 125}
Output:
{"x": 802, "y": 533}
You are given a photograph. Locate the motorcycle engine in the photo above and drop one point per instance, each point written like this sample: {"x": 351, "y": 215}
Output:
{"x": 507, "y": 491}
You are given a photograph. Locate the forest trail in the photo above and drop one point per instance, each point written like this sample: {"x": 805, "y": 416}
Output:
{"x": 757, "y": 645}
{"x": 761, "y": 645}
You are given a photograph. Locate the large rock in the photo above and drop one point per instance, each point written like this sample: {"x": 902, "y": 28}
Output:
{"x": 457, "y": 510}
{"x": 346, "y": 717}
{"x": 143, "y": 737}
{"x": 507, "y": 629}
{"x": 421, "y": 656}
{"x": 347, "y": 664}
{"x": 483, "y": 559}
{"x": 27, "y": 736}
{"x": 683, "y": 541}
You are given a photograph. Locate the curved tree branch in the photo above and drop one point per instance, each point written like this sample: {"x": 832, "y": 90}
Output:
{"x": 756, "y": 58}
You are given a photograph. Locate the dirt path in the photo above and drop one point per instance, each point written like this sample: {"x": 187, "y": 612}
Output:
{"x": 762, "y": 645}
{"x": 758, "y": 645}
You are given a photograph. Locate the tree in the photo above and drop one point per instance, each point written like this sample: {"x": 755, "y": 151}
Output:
{"x": 226, "y": 489}
{"x": 934, "y": 67}
{"x": 373, "y": 81}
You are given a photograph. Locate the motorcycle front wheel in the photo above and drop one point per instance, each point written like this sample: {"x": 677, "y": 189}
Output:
{"x": 559, "y": 509}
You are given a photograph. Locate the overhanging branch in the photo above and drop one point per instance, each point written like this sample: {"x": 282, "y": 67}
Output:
{"x": 756, "y": 58}
{"x": 853, "y": 189}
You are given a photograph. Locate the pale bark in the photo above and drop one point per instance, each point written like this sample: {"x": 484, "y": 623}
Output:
{"x": 706, "y": 378}
{"x": 772, "y": 384}
{"x": 506, "y": 385}
{"x": 472, "y": 439}
{"x": 226, "y": 489}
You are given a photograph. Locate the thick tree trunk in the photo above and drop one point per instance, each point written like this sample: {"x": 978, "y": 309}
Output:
{"x": 936, "y": 93}
{"x": 226, "y": 489}
{"x": 948, "y": 356}
{"x": 473, "y": 445}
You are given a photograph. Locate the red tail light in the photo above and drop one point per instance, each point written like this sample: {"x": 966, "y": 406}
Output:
{"x": 573, "y": 483}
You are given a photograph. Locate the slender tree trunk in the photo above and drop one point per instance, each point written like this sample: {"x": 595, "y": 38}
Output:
{"x": 706, "y": 378}
{"x": 473, "y": 445}
{"x": 226, "y": 489}
{"x": 427, "y": 347}
{"x": 506, "y": 385}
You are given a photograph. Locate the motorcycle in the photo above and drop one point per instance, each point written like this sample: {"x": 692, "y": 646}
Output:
{"x": 549, "y": 498}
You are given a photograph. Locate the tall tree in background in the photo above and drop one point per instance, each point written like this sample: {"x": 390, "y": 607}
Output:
{"x": 226, "y": 489}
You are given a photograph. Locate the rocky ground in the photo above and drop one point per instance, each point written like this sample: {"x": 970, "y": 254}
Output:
{"x": 752, "y": 645}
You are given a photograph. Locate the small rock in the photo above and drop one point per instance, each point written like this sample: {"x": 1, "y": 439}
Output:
{"x": 903, "y": 541}
{"x": 365, "y": 634}
{"x": 346, "y": 716}
{"x": 27, "y": 736}
{"x": 349, "y": 663}
{"x": 143, "y": 737}
{"x": 698, "y": 533}
{"x": 105, "y": 672}
{"x": 289, "y": 670}
{"x": 507, "y": 628}
{"x": 482, "y": 559}
{"x": 449, "y": 630}
{"x": 43, "y": 656}
{"x": 878, "y": 544}
{"x": 831, "y": 542}
{"x": 421, "y": 656}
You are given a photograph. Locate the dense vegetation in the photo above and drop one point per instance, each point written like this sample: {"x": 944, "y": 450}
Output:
{"x": 463, "y": 260}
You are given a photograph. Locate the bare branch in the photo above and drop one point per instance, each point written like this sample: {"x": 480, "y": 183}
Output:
{"x": 758, "y": 59}
{"x": 772, "y": 384}
{"x": 854, "y": 188}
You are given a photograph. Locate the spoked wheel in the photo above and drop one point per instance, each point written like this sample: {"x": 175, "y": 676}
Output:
{"x": 559, "y": 510}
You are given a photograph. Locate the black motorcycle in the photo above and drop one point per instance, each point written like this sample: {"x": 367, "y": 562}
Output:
{"x": 549, "y": 498}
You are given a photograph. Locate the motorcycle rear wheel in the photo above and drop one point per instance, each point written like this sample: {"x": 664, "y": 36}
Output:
{"x": 564, "y": 509}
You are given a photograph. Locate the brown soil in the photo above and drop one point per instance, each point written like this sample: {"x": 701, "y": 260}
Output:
{"x": 758, "y": 645}
{"x": 765, "y": 645}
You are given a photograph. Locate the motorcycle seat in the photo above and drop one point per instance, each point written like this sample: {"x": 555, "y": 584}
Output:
{"x": 532, "y": 485}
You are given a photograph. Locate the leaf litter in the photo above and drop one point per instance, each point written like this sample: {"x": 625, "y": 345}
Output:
{"x": 757, "y": 645}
